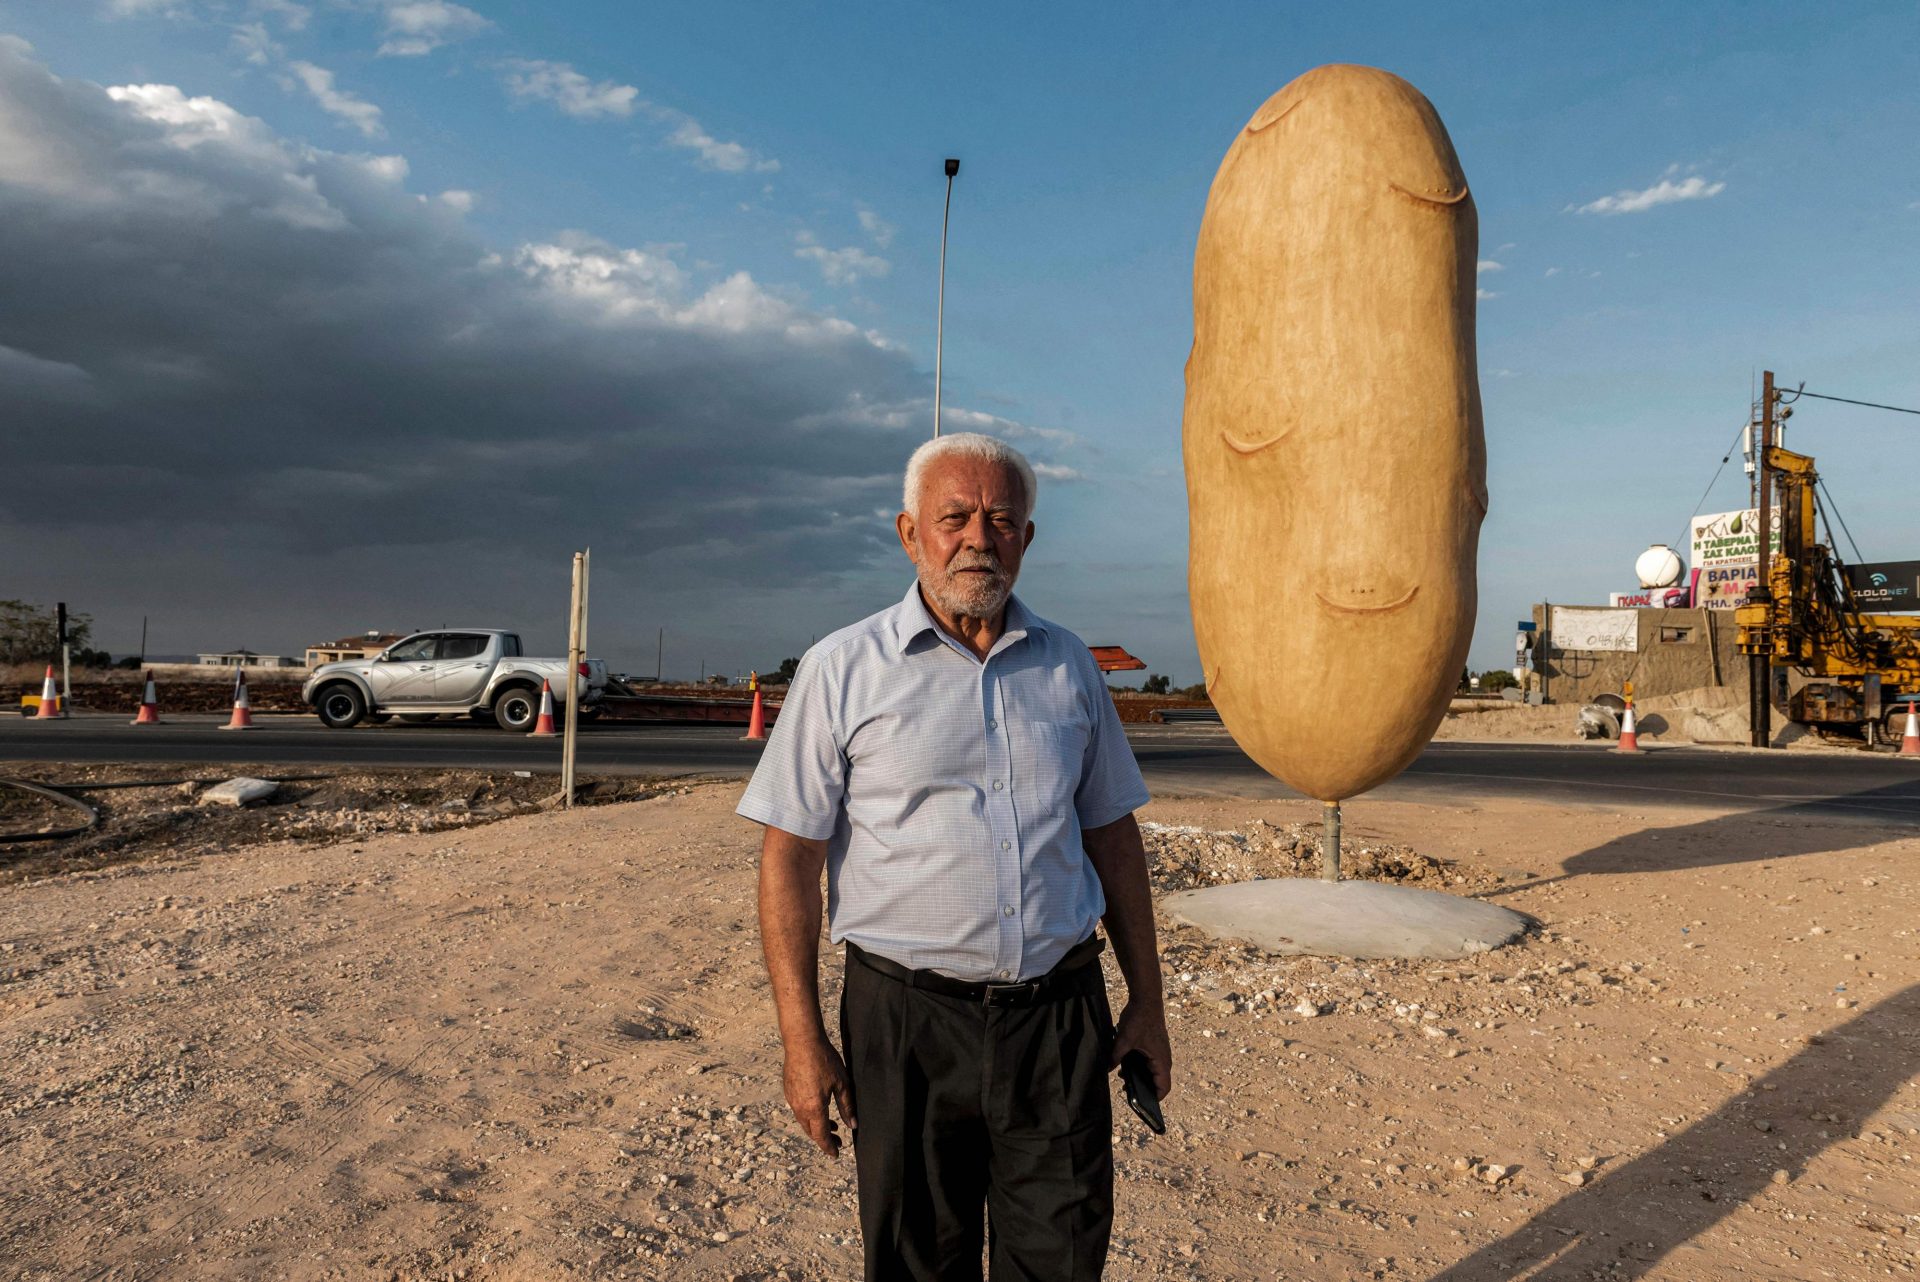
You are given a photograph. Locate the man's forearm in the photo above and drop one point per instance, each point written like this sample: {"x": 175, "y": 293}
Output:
{"x": 1120, "y": 861}
{"x": 790, "y": 869}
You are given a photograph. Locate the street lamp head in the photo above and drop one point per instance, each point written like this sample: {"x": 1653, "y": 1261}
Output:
{"x": 953, "y": 166}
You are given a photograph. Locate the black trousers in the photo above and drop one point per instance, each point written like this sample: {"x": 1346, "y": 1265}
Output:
{"x": 965, "y": 1107}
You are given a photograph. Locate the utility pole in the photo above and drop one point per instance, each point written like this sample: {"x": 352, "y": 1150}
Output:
{"x": 1760, "y": 669}
{"x": 940, "y": 315}
{"x": 659, "y": 654}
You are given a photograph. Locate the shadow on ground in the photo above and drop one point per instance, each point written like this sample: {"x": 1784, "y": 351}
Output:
{"x": 1632, "y": 1217}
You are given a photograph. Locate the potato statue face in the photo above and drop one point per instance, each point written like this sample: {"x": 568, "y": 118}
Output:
{"x": 1336, "y": 466}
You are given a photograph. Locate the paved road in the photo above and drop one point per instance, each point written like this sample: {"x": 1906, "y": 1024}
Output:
{"x": 1176, "y": 760}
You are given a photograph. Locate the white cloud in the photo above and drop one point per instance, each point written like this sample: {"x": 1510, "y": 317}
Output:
{"x": 1550, "y": 272}
{"x": 416, "y": 27}
{"x": 251, "y": 42}
{"x": 349, "y": 108}
{"x": 1486, "y": 293}
{"x": 727, "y": 157}
{"x": 1664, "y": 192}
{"x": 1488, "y": 265}
{"x": 281, "y": 191}
{"x": 292, "y": 16}
{"x": 878, "y": 230}
{"x": 841, "y": 266}
{"x": 537, "y": 80}
{"x": 1504, "y": 373}
{"x": 1052, "y": 471}
{"x": 456, "y": 199}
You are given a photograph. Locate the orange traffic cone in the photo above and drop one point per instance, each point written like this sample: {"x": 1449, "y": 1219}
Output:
{"x": 1629, "y": 736}
{"x": 757, "y": 723}
{"x": 1910, "y": 742}
{"x": 242, "y": 710}
{"x": 49, "y": 700}
{"x": 149, "y": 705}
{"x": 544, "y": 726}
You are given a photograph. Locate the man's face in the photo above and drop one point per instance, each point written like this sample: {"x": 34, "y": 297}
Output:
{"x": 968, "y": 535}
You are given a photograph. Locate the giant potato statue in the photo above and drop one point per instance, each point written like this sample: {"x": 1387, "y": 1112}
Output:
{"x": 1336, "y": 468}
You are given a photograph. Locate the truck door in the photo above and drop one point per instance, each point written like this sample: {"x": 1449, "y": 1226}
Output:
{"x": 465, "y": 662}
{"x": 406, "y": 675}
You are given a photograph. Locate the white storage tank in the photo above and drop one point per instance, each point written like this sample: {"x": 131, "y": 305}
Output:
{"x": 1659, "y": 567}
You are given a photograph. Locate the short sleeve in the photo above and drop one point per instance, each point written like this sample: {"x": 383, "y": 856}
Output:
{"x": 1110, "y": 784}
{"x": 801, "y": 780}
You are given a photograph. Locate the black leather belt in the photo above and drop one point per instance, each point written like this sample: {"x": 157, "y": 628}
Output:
{"x": 1066, "y": 979}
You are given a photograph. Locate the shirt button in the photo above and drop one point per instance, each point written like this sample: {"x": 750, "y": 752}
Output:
{"x": 1006, "y": 845}
{"x": 1006, "y": 974}
{"x": 992, "y": 724}
{"x": 997, "y": 785}
{"x": 1007, "y": 910}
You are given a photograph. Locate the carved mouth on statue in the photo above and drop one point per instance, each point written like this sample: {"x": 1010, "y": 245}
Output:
{"x": 1254, "y": 447}
{"x": 1344, "y": 608}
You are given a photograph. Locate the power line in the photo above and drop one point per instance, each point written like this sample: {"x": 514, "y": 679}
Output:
{"x": 1846, "y": 400}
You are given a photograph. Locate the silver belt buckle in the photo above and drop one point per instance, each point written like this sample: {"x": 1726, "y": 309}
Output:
{"x": 1027, "y": 988}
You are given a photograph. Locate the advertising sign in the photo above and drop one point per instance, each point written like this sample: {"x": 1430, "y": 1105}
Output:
{"x": 1577, "y": 628}
{"x": 1675, "y": 598}
{"x": 1725, "y": 548}
{"x": 1886, "y": 587}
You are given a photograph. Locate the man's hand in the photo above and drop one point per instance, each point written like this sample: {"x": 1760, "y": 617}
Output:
{"x": 815, "y": 1074}
{"x": 1144, "y": 1029}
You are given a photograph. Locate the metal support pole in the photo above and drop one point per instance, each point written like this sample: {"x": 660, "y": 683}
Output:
{"x": 1330, "y": 843}
{"x": 66, "y": 663}
{"x": 576, "y": 655}
{"x": 1760, "y": 669}
{"x": 940, "y": 313}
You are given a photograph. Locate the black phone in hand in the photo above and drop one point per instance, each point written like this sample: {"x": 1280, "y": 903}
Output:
{"x": 1136, "y": 1079}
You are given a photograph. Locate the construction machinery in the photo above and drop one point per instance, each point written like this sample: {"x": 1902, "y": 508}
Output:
{"x": 1860, "y": 669}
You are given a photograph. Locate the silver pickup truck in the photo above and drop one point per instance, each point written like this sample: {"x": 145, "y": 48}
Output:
{"x": 477, "y": 671}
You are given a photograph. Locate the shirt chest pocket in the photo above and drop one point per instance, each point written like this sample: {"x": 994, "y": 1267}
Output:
{"x": 1053, "y": 760}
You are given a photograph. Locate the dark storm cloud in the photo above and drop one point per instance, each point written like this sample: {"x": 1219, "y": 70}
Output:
{"x": 202, "y": 321}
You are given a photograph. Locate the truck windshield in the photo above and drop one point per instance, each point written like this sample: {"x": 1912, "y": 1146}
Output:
{"x": 510, "y": 645}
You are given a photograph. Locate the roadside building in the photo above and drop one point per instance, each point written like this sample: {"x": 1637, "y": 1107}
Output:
{"x": 363, "y": 645}
{"x": 244, "y": 659}
{"x": 1580, "y": 651}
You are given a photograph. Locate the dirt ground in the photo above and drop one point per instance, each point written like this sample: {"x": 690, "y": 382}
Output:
{"x": 542, "y": 1047}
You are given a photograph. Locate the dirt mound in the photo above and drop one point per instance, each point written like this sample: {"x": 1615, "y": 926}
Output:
{"x": 1186, "y": 858}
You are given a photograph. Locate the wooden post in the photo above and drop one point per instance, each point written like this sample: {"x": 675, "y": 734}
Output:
{"x": 576, "y": 654}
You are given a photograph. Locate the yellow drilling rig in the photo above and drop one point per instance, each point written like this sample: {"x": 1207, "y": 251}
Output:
{"x": 1862, "y": 669}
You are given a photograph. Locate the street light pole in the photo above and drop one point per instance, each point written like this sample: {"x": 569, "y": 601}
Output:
{"x": 940, "y": 316}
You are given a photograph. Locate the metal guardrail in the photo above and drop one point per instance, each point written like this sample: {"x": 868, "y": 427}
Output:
{"x": 1171, "y": 716}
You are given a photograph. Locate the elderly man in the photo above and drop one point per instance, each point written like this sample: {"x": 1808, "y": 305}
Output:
{"x": 955, "y": 765}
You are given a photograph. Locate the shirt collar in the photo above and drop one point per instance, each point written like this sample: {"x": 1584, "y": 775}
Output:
{"x": 911, "y": 621}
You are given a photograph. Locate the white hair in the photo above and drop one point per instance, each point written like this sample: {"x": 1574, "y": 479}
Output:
{"x": 973, "y": 445}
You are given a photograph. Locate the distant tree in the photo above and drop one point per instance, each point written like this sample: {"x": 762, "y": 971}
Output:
{"x": 783, "y": 676}
{"x": 133, "y": 661}
{"x": 1156, "y": 683}
{"x": 84, "y": 658}
{"x": 1494, "y": 680}
{"x": 29, "y": 633}
{"x": 1194, "y": 692}
{"x": 1466, "y": 678}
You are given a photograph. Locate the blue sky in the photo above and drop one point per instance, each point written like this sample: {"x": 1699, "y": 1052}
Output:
{"x": 703, "y": 238}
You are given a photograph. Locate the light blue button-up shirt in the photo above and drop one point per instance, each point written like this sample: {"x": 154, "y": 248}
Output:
{"x": 952, "y": 793}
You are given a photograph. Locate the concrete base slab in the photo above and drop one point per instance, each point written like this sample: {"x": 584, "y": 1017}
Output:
{"x": 1347, "y": 918}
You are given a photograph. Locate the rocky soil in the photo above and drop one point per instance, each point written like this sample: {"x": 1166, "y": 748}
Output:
{"x": 543, "y": 1048}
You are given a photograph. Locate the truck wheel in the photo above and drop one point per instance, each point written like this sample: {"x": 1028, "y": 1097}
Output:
{"x": 340, "y": 706}
{"x": 516, "y": 708}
